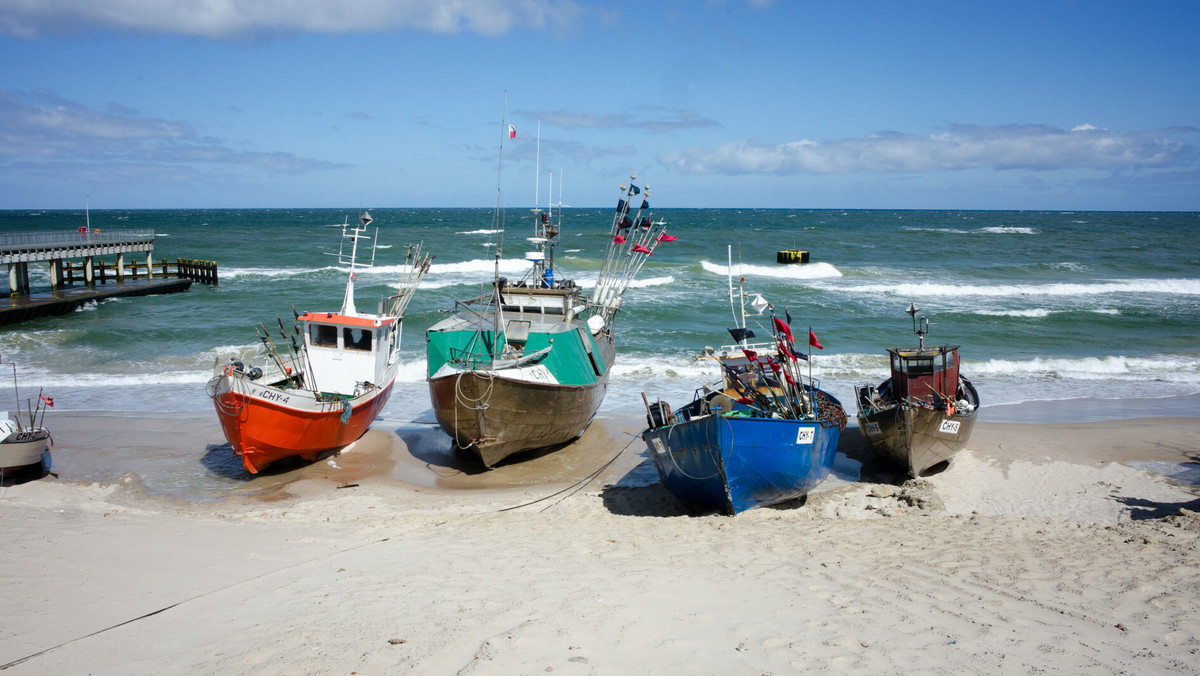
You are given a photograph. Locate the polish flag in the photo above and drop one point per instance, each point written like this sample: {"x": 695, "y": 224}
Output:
{"x": 512, "y": 131}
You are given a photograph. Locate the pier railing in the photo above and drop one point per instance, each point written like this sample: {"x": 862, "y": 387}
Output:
{"x": 36, "y": 241}
{"x": 204, "y": 272}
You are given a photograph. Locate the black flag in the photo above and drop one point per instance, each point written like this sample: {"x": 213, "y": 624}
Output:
{"x": 634, "y": 190}
{"x": 740, "y": 334}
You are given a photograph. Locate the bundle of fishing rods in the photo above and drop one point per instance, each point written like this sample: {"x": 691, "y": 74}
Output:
{"x": 634, "y": 235}
{"x": 296, "y": 356}
{"x": 782, "y": 394}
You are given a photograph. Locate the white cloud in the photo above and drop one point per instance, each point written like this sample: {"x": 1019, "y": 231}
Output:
{"x": 1030, "y": 147}
{"x": 43, "y": 129}
{"x": 223, "y": 19}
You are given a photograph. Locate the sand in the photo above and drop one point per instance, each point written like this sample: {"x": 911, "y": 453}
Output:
{"x": 1041, "y": 549}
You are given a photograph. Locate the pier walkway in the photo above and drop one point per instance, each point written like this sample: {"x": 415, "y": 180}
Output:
{"x": 101, "y": 280}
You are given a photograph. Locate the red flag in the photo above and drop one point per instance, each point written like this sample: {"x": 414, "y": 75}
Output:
{"x": 640, "y": 248}
{"x": 780, "y": 327}
{"x": 745, "y": 400}
{"x": 774, "y": 367}
{"x": 512, "y": 131}
{"x": 619, "y": 239}
{"x": 812, "y": 339}
{"x": 750, "y": 354}
{"x": 664, "y": 237}
{"x": 49, "y": 401}
{"x": 789, "y": 378}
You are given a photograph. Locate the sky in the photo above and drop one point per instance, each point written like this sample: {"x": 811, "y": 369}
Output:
{"x": 1045, "y": 105}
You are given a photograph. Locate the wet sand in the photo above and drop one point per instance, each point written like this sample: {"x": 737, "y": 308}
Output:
{"x": 1042, "y": 547}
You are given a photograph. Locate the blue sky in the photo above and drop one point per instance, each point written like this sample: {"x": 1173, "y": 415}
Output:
{"x": 1062, "y": 105}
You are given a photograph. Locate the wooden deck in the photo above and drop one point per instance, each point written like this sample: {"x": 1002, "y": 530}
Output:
{"x": 19, "y": 308}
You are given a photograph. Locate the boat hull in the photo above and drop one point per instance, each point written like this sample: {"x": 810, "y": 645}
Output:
{"x": 24, "y": 449}
{"x": 731, "y": 463}
{"x": 266, "y": 424}
{"x": 495, "y": 417}
{"x": 917, "y": 436}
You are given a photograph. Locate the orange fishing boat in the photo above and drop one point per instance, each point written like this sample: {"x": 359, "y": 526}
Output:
{"x": 322, "y": 387}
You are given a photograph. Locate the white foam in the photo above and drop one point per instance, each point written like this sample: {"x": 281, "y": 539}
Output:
{"x": 1009, "y": 229}
{"x": 807, "y": 271}
{"x": 1175, "y": 287}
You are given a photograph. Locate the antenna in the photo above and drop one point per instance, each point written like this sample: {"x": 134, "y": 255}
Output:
{"x": 920, "y": 326}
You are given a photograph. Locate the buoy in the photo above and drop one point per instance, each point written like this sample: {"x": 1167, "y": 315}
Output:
{"x": 791, "y": 256}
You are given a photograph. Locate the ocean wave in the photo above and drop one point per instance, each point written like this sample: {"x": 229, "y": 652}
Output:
{"x": 1168, "y": 368}
{"x": 478, "y": 232}
{"x": 806, "y": 271}
{"x": 1038, "y": 313}
{"x": 1009, "y": 229}
{"x": 272, "y": 273}
{"x": 1175, "y": 287}
{"x": 651, "y": 281}
{"x": 480, "y": 265}
{"x": 950, "y": 231}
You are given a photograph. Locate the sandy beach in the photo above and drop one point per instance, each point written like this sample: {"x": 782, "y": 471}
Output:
{"x": 1043, "y": 548}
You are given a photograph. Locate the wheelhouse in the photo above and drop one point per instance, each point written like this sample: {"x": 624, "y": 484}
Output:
{"x": 928, "y": 374}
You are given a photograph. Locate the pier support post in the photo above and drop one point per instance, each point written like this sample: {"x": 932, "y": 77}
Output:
{"x": 56, "y": 274}
{"x": 18, "y": 278}
{"x": 89, "y": 271}
{"x": 120, "y": 267}
{"x": 149, "y": 266}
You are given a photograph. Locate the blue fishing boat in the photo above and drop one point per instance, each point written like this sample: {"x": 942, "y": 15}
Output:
{"x": 764, "y": 434}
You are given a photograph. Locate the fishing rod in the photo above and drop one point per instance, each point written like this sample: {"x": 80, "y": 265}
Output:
{"x": 310, "y": 379}
{"x": 42, "y": 408}
{"x": 748, "y": 395}
{"x": 293, "y": 348}
{"x": 265, "y": 337}
{"x": 786, "y": 350}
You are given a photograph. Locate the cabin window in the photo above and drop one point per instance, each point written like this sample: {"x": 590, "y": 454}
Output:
{"x": 922, "y": 366}
{"x": 324, "y": 335}
{"x": 356, "y": 339}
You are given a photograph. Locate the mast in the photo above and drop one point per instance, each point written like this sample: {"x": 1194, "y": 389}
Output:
{"x": 920, "y": 326}
{"x": 355, "y": 234}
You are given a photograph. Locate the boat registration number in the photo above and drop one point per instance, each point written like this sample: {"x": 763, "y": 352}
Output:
{"x": 658, "y": 445}
{"x": 805, "y": 435}
{"x": 949, "y": 426}
{"x": 873, "y": 428}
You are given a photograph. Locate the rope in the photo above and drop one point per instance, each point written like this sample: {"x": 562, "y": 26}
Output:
{"x": 575, "y": 487}
{"x": 708, "y": 447}
{"x": 466, "y": 402}
{"x": 236, "y": 386}
{"x": 179, "y": 603}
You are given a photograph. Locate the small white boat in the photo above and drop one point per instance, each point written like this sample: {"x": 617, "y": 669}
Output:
{"x": 21, "y": 446}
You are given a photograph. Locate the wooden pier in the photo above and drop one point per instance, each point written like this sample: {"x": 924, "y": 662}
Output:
{"x": 100, "y": 280}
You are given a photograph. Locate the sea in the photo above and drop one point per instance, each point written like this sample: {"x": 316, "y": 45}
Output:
{"x": 1060, "y": 316}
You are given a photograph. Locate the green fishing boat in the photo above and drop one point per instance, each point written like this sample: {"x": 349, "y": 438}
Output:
{"x": 526, "y": 364}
